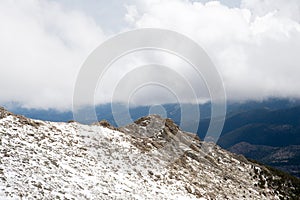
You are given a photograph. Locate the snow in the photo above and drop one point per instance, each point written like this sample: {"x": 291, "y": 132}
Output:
{"x": 75, "y": 161}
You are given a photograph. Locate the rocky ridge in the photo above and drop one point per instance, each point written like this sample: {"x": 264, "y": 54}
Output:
{"x": 149, "y": 159}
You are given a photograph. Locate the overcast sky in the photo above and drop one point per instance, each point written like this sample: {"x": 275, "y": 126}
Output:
{"x": 255, "y": 44}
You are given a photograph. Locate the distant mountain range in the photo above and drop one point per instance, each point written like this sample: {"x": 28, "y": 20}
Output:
{"x": 269, "y": 136}
{"x": 104, "y": 111}
{"x": 259, "y": 130}
{"x": 284, "y": 158}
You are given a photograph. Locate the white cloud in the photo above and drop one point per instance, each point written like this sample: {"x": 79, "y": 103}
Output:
{"x": 167, "y": 80}
{"x": 255, "y": 47}
{"x": 42, "y": 48}
{"x": 282, "y": 8}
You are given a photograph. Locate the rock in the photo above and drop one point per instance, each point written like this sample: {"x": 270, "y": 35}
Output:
{"x": 105, "y": 124}
{"x": 4, "y": 113}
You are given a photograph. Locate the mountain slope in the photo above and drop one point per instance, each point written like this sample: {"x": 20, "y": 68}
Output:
{"x": 151, "y": 158}
{"x": 284, "y": 158}
{"x": 288, "y": 116}
{"x": 265, "y": 130}
{"x": 275, "y": 135}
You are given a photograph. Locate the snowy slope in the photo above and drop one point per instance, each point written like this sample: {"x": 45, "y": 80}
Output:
{"x": 46, "y": 160}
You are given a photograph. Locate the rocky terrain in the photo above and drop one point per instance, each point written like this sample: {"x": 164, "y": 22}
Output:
{"x": 149, "y": 159}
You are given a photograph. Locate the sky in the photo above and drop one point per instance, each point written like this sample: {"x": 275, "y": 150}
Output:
{"x": 254, "y": 45}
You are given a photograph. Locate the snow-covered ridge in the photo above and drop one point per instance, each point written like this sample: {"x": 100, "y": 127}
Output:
{"x": 150, "y": 159}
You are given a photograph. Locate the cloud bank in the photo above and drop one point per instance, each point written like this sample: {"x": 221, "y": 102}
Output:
{"x": 255, "y": 47}
{"x": 42, "y": 48}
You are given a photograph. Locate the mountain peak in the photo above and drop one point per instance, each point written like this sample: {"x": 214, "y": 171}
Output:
{"x": 151, "y": 125}
{"x": 153, "y": 132}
